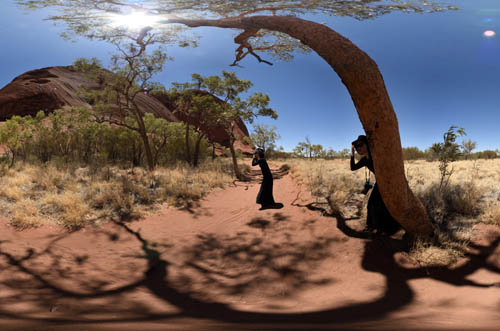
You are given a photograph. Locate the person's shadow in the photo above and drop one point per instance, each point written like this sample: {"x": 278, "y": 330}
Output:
{"x": 277, "y": 205}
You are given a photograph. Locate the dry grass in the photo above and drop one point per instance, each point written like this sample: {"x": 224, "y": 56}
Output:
{"x": 472, "y": 196}
{"x": 74, "y": 197}
{"x": 333, "y": 183}
{"x": 491, "y": 214}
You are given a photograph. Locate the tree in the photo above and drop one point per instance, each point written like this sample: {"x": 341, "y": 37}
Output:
{"x": 467, "y": 147}
{"x": 330, "y": 153}
{"x": 13, "y": 135}
{"x": 229, "y": 87}
{"x": 200, "y": 110}
{"x": 116, "y": 99}
{"x": 303, "y": 148}
{"x": 278, "y": 35}
{"x": 344, "y": 154}
{"x": 317, "y": 151}
{"x": 413, "y": 153}
{"x": 264, "y": 137}
{"x": 486, "y": 154}
{"x": 447, "y": 152}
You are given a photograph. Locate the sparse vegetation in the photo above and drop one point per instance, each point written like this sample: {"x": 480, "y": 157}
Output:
{"x": 472, "y": 196}
{"x": 32, "y": 195}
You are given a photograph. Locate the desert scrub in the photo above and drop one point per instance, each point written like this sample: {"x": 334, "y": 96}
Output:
{"x": 471, "y": 196}
{"x": 67, "y": 209}
{"x": 25, "y": 214}
{"x": 72, "y": 197}
{"x": 329, "y": 180}
{"x": 491, "y": 213}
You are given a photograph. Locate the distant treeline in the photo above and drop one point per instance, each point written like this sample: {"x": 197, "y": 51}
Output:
{"x": 409, "y": 153}
{"x": 414, "y": 153}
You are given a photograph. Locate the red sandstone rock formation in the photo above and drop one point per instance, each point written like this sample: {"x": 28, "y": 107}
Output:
{"x": 56, "y": 87}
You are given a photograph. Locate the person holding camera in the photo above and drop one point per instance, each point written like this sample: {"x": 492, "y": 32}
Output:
{"x": 265, "y": 195}
{"x": 378, "y": 217}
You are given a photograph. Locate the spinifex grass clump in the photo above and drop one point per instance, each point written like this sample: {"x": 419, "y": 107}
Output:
{"x": 31, "y": 195}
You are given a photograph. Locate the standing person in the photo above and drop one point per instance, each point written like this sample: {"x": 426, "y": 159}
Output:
{"x": 265, "y": 195}
{"x": 378, "y": 217}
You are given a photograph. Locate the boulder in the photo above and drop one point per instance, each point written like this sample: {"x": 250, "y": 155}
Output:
{"x": 53, "y": 88}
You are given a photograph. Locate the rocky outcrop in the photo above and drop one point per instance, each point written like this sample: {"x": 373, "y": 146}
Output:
{"x": 215, "y": 133}
{"x": 53, "y": 88}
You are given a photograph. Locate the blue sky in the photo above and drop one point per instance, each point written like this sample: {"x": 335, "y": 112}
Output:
{"x": 439, "y": 69}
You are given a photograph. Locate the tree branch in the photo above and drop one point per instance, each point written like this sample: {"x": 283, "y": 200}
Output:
{"x": 242, "y": 39}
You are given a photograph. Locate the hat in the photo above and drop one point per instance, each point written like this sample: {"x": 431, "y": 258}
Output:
{"x": 259, "y": 151}
{"x": 361, "y": 138}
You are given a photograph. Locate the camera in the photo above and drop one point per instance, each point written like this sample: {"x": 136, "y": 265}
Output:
{"x": 366, "y": 188}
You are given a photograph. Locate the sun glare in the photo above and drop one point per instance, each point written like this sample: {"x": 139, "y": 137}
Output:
{"x": 489, "y": 33}
{"x": 134, "y": 20}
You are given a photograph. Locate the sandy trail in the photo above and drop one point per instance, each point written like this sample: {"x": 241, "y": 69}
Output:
{"x": 222, "y": 264}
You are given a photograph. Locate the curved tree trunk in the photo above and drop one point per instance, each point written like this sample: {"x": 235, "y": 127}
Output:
{"x": 360, "y": 74}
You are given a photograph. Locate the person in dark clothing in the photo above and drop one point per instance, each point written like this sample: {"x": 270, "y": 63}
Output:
{"x": 378, "y": 217}
{"x": 265, "y": 195}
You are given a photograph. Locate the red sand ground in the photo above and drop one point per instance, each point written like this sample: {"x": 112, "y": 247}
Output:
{"x": 225, "y": 265}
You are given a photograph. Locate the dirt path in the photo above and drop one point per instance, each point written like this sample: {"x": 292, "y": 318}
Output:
{"x": 225, "y": 265}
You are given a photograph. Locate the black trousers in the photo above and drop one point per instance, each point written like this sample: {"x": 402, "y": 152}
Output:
{"x": 378, "y": 216}
{"x": 265, "y": 195}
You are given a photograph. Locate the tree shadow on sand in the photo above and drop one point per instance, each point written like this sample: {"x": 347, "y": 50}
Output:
{"x": 255, "y": 176}
{"x": 228, "y": 265}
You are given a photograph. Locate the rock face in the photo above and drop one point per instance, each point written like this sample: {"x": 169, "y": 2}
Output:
{"x": 53, "y": 88}
{"x": 214, "y": 134}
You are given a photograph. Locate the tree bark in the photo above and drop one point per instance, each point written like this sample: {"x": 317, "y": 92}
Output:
{"x": 360, "y": 74}
{"x": 237, "y": 173}
{"x": 144, "y": 136}
{"x": 196, "y": 154}
{"x": 188, "y": 148}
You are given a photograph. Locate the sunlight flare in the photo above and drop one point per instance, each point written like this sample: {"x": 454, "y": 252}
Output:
{"x": 134, "y": 21}
{"x": 489, "y": 33}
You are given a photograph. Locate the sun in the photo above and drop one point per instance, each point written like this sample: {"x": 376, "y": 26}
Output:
{"x": 134, "y": 21}
{"x": 489, "y": 33}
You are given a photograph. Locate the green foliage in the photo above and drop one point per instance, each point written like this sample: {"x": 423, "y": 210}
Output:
{"x": 86, "y": 65}
{"x": 215, "y": 102}
{"x": 307, "y": 149}
{"x": 93, "y": 18}
{"x": 265, "y": 137}
{"x": 447, "y": 152}
{"x": 303, "y": 149}
{"x": 14, "y": 134}
{"x": 413, "y": 153}
{"x": 317, "y": 151}
{"x": 72, "y": 135}
{"x": 115, "y": 101}
{"x": 467, "y": 147}
{"x": 486, "y": 154}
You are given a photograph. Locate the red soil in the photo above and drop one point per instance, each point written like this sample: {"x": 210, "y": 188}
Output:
{"x": 225, "y": 265}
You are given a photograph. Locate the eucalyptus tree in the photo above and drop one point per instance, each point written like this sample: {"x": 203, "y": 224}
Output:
{"x": 274, "y": 28}
{"x": 228, "y": 87}
{"x": 131, "y": 74}
{"x": 467, "y": 147}
{"x": 265, "y": 136}
{"x": 447, "y": 152}
{"x": 303, "y": 148}
{"x": 200, "y": 110}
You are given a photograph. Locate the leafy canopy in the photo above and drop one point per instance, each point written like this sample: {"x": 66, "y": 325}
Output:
{"x": 104, "y": 19}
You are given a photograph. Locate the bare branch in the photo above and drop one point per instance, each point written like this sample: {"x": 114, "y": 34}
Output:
{"x": 242, "y": 39}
